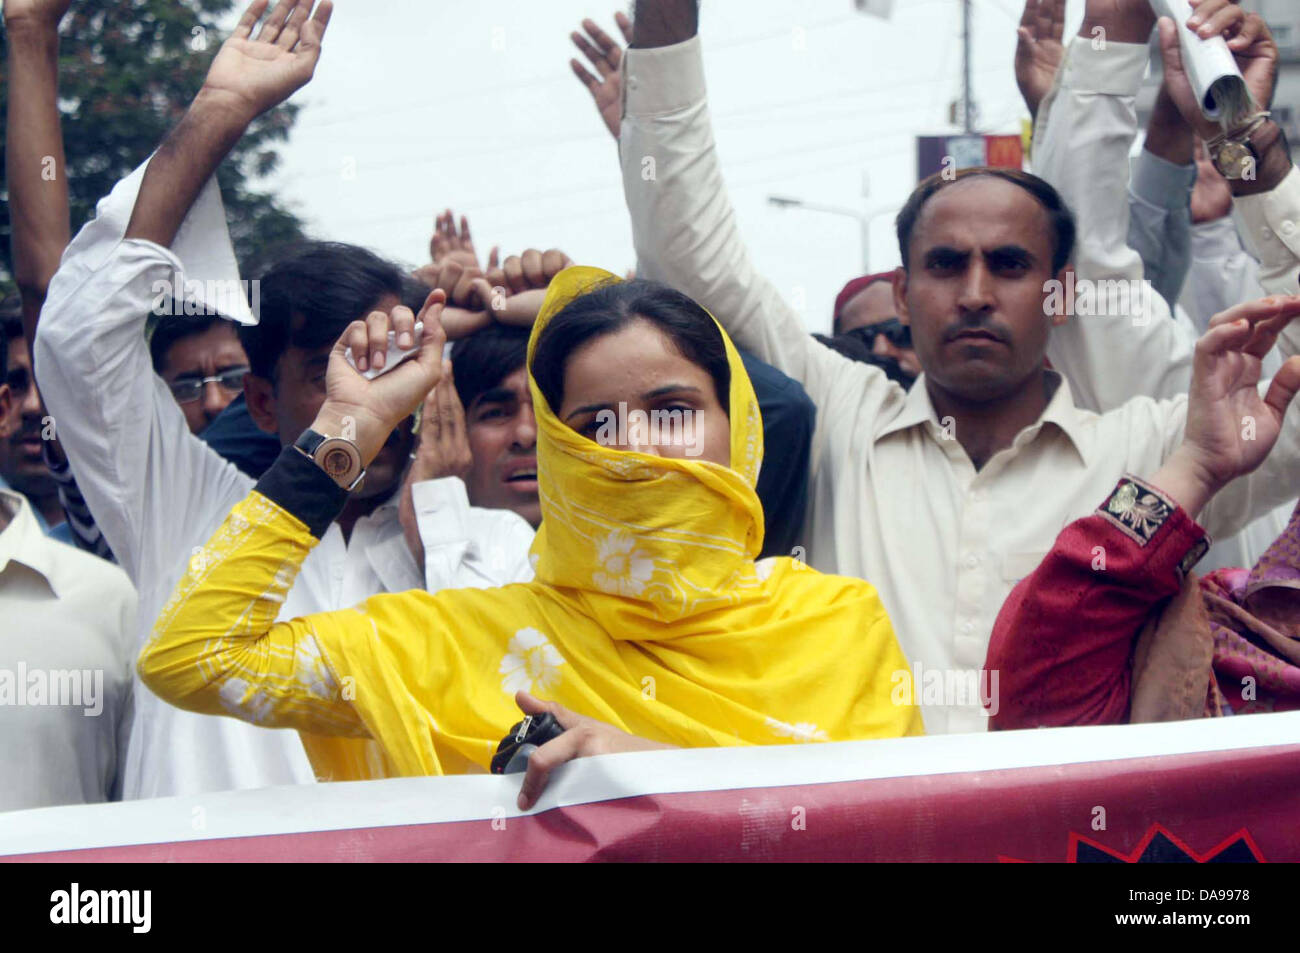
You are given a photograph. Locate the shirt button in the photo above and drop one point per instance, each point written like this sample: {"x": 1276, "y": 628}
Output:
{"x": 972, "y": 561}
{"x": 967, "y": 628}
{"x": 1288, "y": 228}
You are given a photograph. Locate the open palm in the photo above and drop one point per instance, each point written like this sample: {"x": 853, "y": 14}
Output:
{"x": 263, "y": 72}
{"x": 606, "y": 56}
{"x": 1039, "y": 49}
{"x": 1230, "y": 427}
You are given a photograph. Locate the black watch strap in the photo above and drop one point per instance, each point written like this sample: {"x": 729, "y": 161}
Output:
{"x": 308, "y": 441}
{"x": 296, "y": 485}
{"x": 338, "y": 460}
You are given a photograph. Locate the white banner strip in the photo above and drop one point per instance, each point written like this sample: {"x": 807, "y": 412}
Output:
{"x": 343, "y": 806}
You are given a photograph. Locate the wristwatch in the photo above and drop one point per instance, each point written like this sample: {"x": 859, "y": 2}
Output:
{"x": 1237, "y": 154}
{"x": 338, "y": 457}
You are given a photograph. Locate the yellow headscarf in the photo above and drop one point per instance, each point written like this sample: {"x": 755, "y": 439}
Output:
{"x": 672, "y": 537}
{"x": 648, "y": 612}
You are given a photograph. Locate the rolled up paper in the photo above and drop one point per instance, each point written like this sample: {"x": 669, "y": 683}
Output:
{"x": 1210, "y": 66}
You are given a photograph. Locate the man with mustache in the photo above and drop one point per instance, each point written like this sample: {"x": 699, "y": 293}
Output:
{"x": 21, "y": 467}
{"x": 946, "y": 495}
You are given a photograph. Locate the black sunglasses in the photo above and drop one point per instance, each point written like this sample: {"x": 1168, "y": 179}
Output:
{"x": 895, "y": 331}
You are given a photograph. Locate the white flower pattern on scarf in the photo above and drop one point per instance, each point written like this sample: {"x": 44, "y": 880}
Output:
{"x": 531, "y": 663}
{"x": 240, "y": 699}
{"x": 804, "y": 731}
{"x": 626, "y": 569}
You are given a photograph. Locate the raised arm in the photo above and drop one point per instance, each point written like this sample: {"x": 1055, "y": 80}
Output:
{"x": 1160, "y": 221}
{"x": 140, "y": 469}
{"x": 683, "y": 225}
{"x": 1267, "y": 196}
{"x": 217, "y": 647}
{"x": 1039, "y": 50}
{"x": 1063, "y": 642}
{"x": 605, "y": 56}
{"x": 35, "y": 170}
{"x": 1221, "y": 273}
{"x": 1085, "y": 129}
{"x": 248, "y": 77}
{"x": 1259, "y": 435}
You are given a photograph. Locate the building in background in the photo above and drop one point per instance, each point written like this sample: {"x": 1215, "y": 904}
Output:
{"x": 960, "y": 151}
{"x": 1284, "y": 18}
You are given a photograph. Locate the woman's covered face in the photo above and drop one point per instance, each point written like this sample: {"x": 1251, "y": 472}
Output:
{"x": 633, "y": 390}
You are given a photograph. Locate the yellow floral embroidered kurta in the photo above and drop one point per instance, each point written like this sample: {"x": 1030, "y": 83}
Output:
{"x": 647, "y": 612}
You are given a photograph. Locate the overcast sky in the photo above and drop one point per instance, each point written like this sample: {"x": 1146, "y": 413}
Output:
{"x": 422, "y": 104}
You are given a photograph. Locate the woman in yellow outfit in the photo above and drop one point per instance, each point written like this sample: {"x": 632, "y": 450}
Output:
{"x": 648, "y": 623}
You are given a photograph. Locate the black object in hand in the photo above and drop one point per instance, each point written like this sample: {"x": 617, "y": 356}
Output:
{"x": 524, "y": 738}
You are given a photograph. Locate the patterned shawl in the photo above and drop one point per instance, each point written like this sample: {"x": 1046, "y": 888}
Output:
{"x": 648, "y": 612}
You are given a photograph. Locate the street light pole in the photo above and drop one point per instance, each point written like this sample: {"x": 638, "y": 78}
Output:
{"x": 968, "y": 102}
{"x": 864, "y": 219}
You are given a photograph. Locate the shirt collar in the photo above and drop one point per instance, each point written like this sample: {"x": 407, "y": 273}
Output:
{"x": 1060, "y": 410}
{"x": 22, "y": 540}
{"x": 917, "y": 409}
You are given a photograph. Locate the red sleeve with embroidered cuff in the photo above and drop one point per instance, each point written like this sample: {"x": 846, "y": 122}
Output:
{"x": 1063, "y": 643}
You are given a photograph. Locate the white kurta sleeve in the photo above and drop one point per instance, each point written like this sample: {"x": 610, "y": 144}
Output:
{"x": 468, "y": 547}
{"x": 150, "y": 483}
{"x": 1081, "y": 148}
{"x": 685, "y": 233}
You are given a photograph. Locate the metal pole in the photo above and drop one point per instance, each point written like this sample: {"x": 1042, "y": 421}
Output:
{"x": 866, "y": 244}
{"x": 865, "y": 218}
{"x": 967, "y": 100}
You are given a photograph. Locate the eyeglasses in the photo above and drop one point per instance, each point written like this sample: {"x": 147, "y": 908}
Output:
{"x": 189, "y": 389}
{"x": 896, "y": 332}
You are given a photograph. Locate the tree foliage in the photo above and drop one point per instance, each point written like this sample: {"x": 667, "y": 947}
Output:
{"x": 128, "y": 69}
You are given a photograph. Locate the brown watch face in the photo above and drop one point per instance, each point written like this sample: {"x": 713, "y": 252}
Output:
{"x": 340, "y": 459}
{"x": 1233, "y": 160}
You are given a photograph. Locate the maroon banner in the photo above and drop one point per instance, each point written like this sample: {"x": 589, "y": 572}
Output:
{"x": 1234, "y": 805}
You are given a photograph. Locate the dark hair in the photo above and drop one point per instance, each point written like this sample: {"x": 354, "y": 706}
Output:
{"x": 856, "y": 346}
{"x": 414, "y": 291}
{"x": 1062, "y": 219}
{"x": 11, "y": 326}
{"x": 483, "y": 360}
{"x": 310, "y": 296}
{"x": 175, "y": 328}
{"x": 613, "y": 306}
